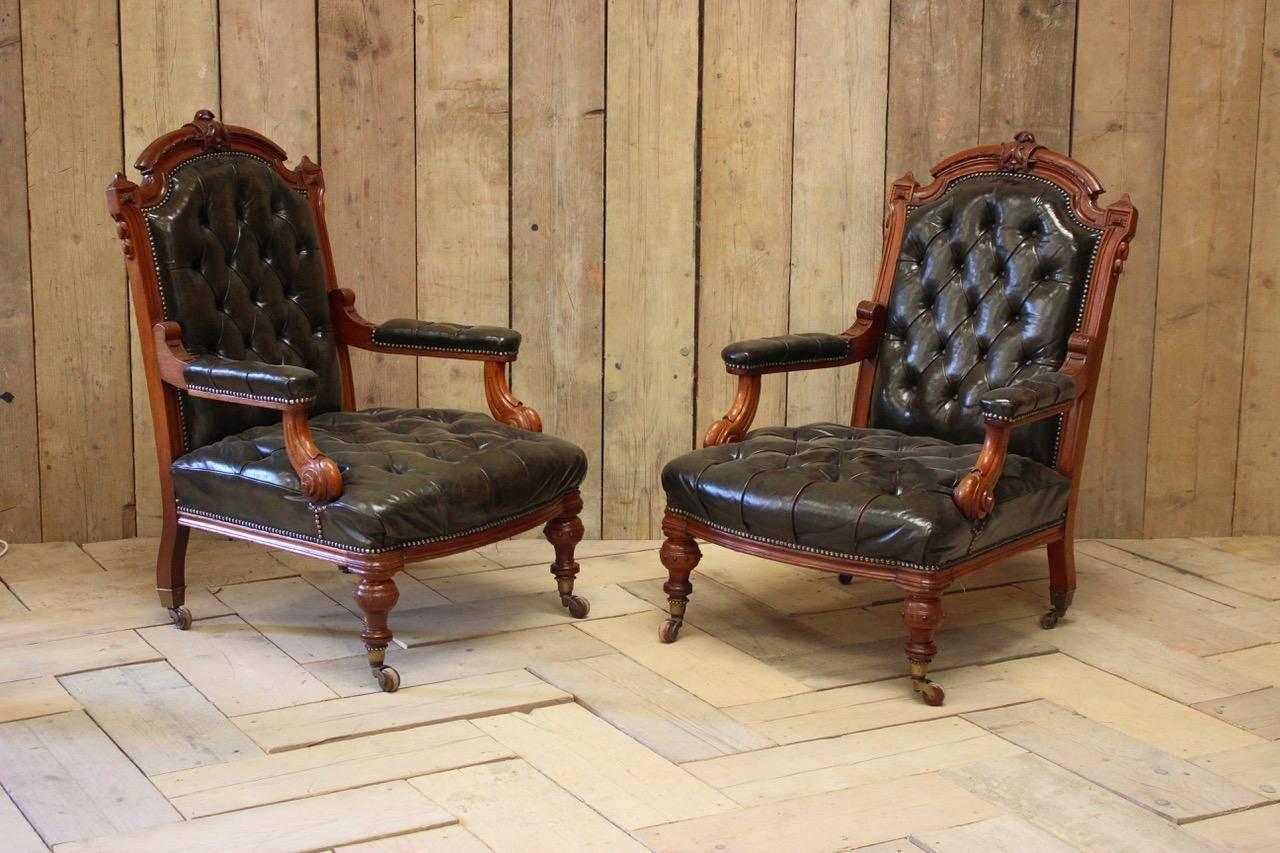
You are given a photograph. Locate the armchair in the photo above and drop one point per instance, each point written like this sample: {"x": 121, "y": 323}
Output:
{"x": 245, "y": 342}
{"x": 978, "y": 357}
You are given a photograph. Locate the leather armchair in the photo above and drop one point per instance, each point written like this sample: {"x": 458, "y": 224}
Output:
{"x": 978, "y": 355}
{"x": 249, "y": 376}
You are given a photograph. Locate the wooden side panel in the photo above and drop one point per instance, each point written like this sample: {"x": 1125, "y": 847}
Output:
{"x": 935, "y": 77}
{"x": 20, "y": 486}
{"x": 842, "y": 83}
{"x": 1122, "y": 76}
{"x": 1204, "y": 266}
{"x": 71, "y": 80}
{"x": 649, "y": 253}
{"x": 1027, "y": 53}
{"x": 557, "y": 222}
{"x": 748, "y": 60}
{"x": 366, "y": 106}
{"x": 463, "y": 129}
{"x": 169, "y": 69}
{"x": 1258, "y": 465}
{"x": 269, "y": 71}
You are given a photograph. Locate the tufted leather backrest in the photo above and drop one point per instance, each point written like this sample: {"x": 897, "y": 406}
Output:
{"x": 240, "y": 267}
{"x": 990, "y": 283}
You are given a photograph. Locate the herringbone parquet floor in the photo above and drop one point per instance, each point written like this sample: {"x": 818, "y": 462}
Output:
{"x": 781, "y": 720}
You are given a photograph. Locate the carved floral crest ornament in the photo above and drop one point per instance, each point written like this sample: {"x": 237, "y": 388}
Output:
{"x": 1016, "y": 156}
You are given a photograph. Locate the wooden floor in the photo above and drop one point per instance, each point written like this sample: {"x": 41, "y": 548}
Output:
{"x": 781, "y": 720}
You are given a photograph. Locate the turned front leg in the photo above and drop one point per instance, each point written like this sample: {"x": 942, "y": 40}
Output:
{"x": 922, "y": 614}
{"x": 376, "y": 594}
{"x": 564, "y": 532}
{"x": 680, "y": 556}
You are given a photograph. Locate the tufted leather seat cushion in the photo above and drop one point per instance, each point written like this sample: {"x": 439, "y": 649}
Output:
{"x": 988, "y": 288}
{"x": 410, "y": 476}
{"x": 874, "y": 494}
{"x": 240, "y": 268}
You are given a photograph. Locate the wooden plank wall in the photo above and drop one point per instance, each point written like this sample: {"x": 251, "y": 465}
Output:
{"x": 635, "y": 183}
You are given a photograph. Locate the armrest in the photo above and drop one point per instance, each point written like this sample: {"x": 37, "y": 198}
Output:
{"x": 1023, "y": 402}
{"x": 1028, "y": 398}
{"x": 289, "y": 389}
{"x": 804, "y": 351}
{"x": 431, "y": 337}
{"x": 493, "y": 345}
{"x": 749, "y": 360}
{"x": 250, "y": 380}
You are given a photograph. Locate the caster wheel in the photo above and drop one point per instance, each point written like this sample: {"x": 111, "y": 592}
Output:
{"x": 668, "y": 631}
{"x": 181, "y": 617}
{"x": 845, "y": 580}
{"x": 931, "y": 694}
{"x": 1049, "y": 619}
{"x": 578, "y": 606}
{"x": 388, "y": 679}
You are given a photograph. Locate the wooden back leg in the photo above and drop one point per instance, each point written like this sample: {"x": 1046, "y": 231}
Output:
{"x": 171, "y": 569}
{"x": 1062, "y": 578}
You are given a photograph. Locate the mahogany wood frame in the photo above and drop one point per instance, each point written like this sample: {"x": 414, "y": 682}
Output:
{"x": 974, "y": 494}
{"x": 164, "y": 357}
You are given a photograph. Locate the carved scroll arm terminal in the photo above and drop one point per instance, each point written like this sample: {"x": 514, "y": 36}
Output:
{"x": 289, "y": 389}
{"x": 749, "y": 360}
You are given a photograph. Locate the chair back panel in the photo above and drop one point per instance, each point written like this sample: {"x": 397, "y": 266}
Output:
{"x": 990, "y": 282}
{"x": 240, "y": 267}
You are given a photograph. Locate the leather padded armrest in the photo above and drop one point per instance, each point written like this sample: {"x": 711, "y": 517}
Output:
{"x": 1027, "y": 398}
{"x": 787, "y": 351}
{"x": 447, "y": 337}
{"x": 251, "y": 380}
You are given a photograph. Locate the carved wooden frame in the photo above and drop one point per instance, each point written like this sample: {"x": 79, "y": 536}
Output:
{"x": 164, "y": 357}
{"x": 974, "y": 494}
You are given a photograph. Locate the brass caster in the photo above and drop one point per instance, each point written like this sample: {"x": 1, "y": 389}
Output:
{"x": 930, "y": 693}
{"x": 845, "y": 580}
{"x": 1050, "y": 619}
{"x": 388, "y": 679}
{"x": 181, "y": 617}
{"x": 669, "y": 630}
{"x": 578, "y": 606}
{"x": 346, "y": 570}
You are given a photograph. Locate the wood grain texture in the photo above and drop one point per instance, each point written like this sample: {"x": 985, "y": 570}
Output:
{"x": 53, "y": 768}
{"x": 1253, "y": 831}
{"x": 1027, "y": 54}
{"x": 169, "y": 70}
{"x": 748, "y": 74}
{"x": 18, "y": 835}
{"x": 365, "y": 58}
{"x": 650, "y": 149}
{"x": 935, "y": 81}
{"x": 268, "y": 71}
{"x": 841, "y": 90}
{"x": 557, "y": 222}
{"x": 71, "y": 89}
{"x": 77, "y": 654}
{"x": 1204, "y": 271}
{"x": 1004, "y": 834}
{"x": 19, "y": 442}
{"x": 34, "y": 697}
{"x": 1118, "y": 123}
{"x": 463, "y": 111}
{"x": 1258, "y": 460}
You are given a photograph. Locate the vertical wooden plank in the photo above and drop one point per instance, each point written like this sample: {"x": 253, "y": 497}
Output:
{"x": 935, "y": 78}
{"x": 367, "y": 137}
{"x": 1258, "y": 467}
{"x": 1214, "y": 77}
{"x": 463, "y": 127}
{"x": 1122, "y": 77}
{"x": 649, "y": 254}
{"x": 557, "y": 216}
{"x": 842, "y": 82}
{"x": 20, "y": 487}
{"x": 71, "y": 82}
{"x": 169, "y": 69}
{"x": 269, "y": 70}
{"x": 745, "y": 248}
{"x": 1027, "y": 53}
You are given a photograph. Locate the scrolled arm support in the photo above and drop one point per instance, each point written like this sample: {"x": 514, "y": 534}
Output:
{"x": 734, "y": 425}
{"x": 318, "y": 476}
{"x": 503, "y": 405}
{"x": 975, "y": 494}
